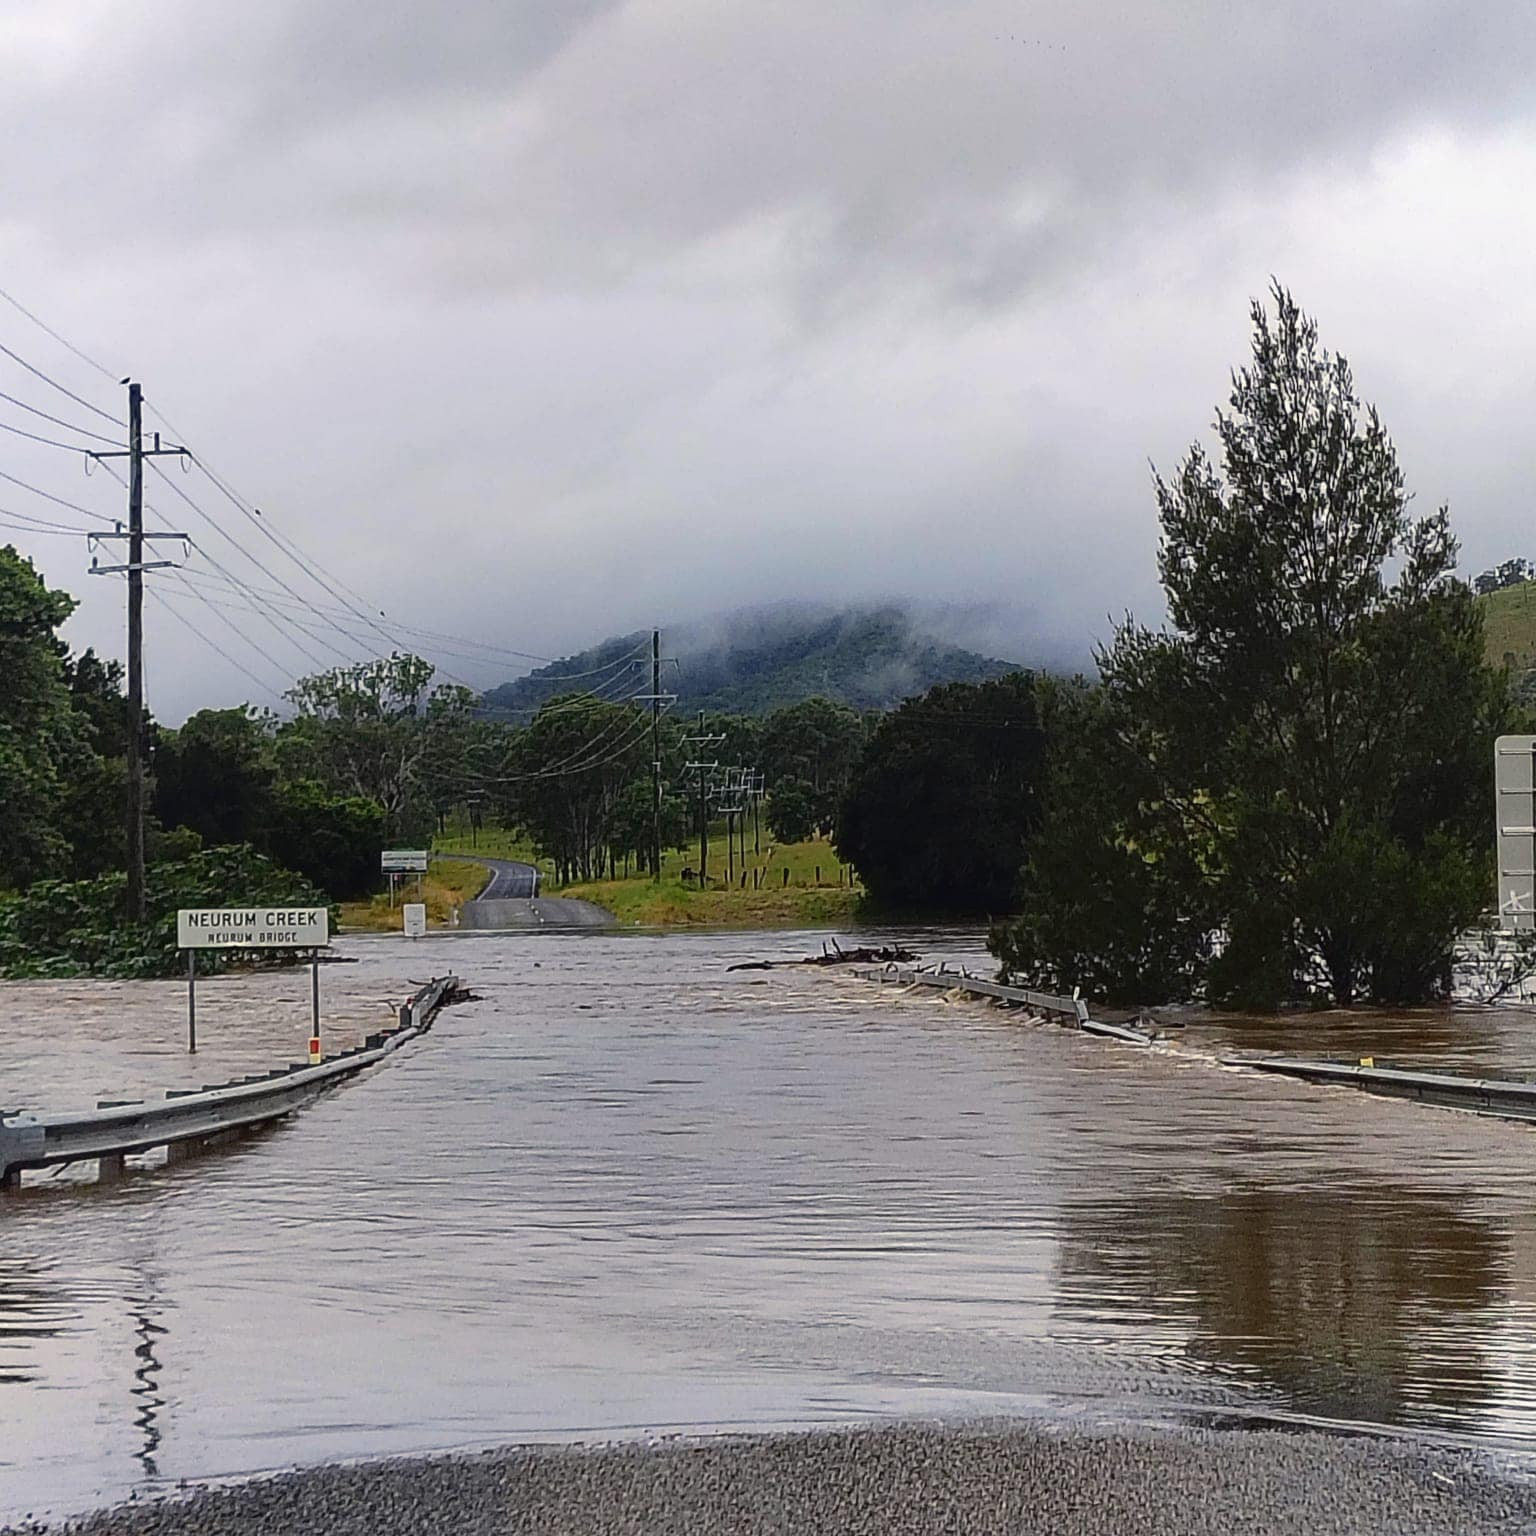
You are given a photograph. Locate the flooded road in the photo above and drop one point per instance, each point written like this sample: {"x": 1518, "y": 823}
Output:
{"x": 627, "y": 1191}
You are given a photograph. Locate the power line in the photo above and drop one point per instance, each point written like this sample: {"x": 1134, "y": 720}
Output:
{"x": 52, "y": 442}
{"x": 328, "y": 581}
{"x": 56, "y": 530}
{"x": 46, "y": 524}
{"x": 16, "y": 357}
{"x": 234, "y": 580}
{"x": 58, "y": 421}
{"x": 68, "y": 346}
{"x": 222, "y": 610}
{"x": 562, "y": 770}
{"x": 73, "y": 506}
{"x": 214, "y": 646}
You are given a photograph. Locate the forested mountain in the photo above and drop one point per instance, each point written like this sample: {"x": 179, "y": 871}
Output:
{"x": 757, "y": 660}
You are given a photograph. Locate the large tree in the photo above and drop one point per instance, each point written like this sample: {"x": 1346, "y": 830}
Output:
{"x": 376, "y": 731}
{"x": 44, "y": 743}
{"x": 941, "y": 805}
{"x": 816, "y": 741}
{"x": 215, "y": 776}
{"x": 571, "y": 788}
{"x": 1315, "y": 727}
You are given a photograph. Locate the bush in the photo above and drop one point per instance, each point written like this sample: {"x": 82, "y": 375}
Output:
{"x": 76, "y": 927}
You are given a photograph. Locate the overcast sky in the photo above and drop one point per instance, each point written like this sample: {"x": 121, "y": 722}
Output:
{"x": 538, "y": 322}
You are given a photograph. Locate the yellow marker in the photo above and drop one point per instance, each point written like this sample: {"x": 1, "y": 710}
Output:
{"x": 1367, "y": 1061}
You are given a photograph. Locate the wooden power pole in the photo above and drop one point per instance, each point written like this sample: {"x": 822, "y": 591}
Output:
{"x": 656, "y": 754}
{"x": 136, "y": 565}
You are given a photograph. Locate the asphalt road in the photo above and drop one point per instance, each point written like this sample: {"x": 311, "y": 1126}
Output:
{"x": 511, "y": 900}
{"x": 511, "y": 880}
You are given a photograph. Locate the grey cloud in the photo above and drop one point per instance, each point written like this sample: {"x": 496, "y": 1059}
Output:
{"x": 558, "y": 320}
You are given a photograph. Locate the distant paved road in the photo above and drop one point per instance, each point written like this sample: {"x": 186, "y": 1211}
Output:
{"x": 511, "y": 900}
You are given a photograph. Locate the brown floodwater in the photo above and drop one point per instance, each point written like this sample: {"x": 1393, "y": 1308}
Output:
{"x": 629, "y": 1192}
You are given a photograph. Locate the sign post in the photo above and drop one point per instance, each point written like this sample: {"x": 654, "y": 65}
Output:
{"x": 253, "y": 927}
{"x": 191, "y": 1002}
{"x": 395, "y": 862}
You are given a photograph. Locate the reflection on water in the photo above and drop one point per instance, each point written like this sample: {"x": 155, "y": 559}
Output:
{"x": 1354, "y": 1305}
{"x": 628, "y": 1190}
{"x": 29, "y": 1311}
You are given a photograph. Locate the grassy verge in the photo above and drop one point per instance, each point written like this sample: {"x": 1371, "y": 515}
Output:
{"x": 448, "y": 884}
{"x": 820, "y": 890}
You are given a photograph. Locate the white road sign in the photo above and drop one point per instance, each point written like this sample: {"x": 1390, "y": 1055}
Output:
{"x": 403, "y": 861}
{"x": 253, "y": 927}
{"x": 415, "y": 919}
{"x": 1514, "y": 781}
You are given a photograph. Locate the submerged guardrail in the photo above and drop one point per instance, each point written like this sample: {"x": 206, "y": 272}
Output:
{"x": 118, "y": 1129}
{"x": 1042, "y": 1004}
{"x": 1480, "y": 1095}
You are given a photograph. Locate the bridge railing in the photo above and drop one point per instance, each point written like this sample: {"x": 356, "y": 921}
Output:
{"x": 1073, "y": 1010}
{"x": 116, "y": 1129}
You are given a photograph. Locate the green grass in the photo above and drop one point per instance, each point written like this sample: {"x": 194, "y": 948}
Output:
{"x": 767, "y": 902}
{"x": 1509, "y": 626}
{"x": 821, "y": 890}
{"x": 494, "y": 842}
{"x": 448, "y": 883}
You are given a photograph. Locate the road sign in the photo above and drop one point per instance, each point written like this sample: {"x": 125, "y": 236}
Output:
{"x": 253, "y": 927}
{"x": 1514, "y": 788}
{"x": 415, "y": 919}
{"x": 403, "y": 861}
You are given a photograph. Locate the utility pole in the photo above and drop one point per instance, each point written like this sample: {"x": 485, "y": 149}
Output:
{"x": 135, "y": 453}
{"x": 656, "y": 754}
{"x": 702, "y": 739}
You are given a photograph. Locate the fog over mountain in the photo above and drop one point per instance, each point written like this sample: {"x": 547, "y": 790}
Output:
{"x": 530, "y": 323}
{"x": 758, "y": 659}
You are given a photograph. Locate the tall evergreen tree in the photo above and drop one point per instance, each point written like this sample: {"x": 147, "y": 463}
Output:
{"x": 1315, "y": 728}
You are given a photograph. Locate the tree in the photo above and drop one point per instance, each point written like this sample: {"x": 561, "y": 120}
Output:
{"x": 332, "y": 840}
{"x": 816, "y": 741}
{"x": 215, "y": 776}
{"x": 941, "y": 806}
{"x": 1314, "y": 732}
{"x": 95, "y": 781}
{"x": 43, "y": 741}
{"x": 371, "y": 730}
{"x": 1104, "y": 903}
{"x": 792, "y": 811}
{"x": 572, "y": 766}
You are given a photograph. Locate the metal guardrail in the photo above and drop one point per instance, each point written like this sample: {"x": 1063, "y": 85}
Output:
{"x": 1482, "y": 1095}
{"x": 115, "y": 1130}
{"x": 1042, "y": 1004}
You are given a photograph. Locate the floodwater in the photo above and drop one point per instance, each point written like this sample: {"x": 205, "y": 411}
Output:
{"x": 630, "y": 1192}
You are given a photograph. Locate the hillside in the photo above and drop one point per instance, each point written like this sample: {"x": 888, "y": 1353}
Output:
{"x": 757, "y": 660}
{"x": 1509, "y": 624}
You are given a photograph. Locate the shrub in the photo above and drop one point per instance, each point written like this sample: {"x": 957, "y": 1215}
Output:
{"x": 76, "y": 927}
